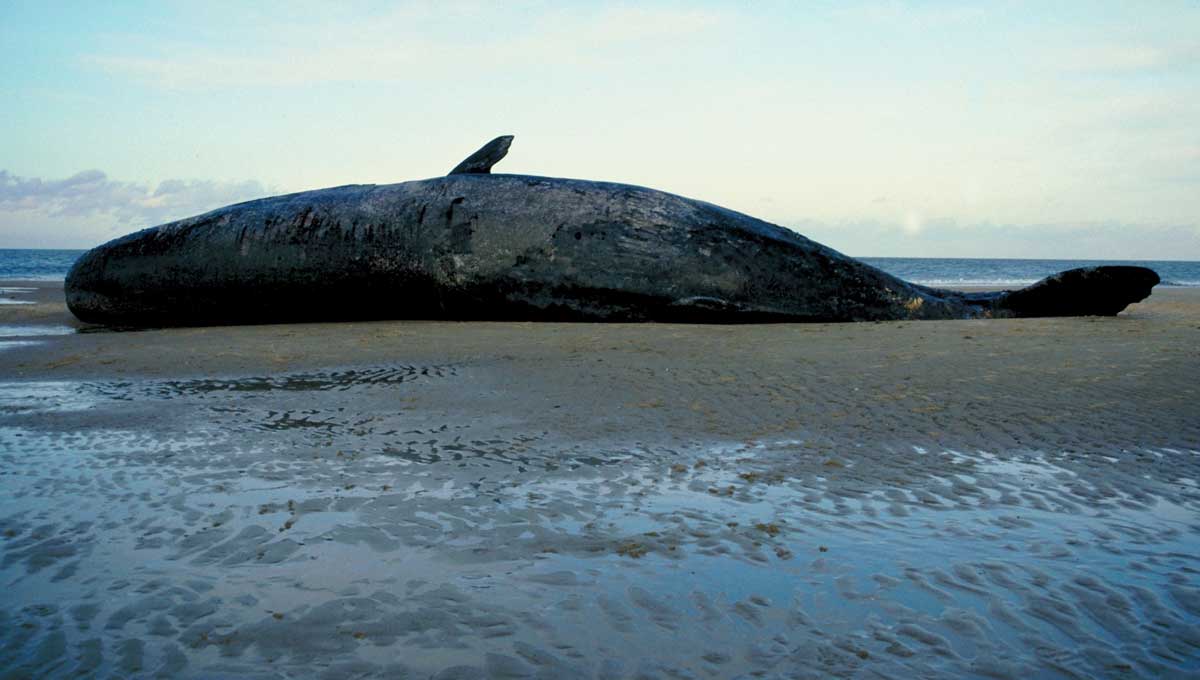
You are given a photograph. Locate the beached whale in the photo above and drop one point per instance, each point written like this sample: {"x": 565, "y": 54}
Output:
{"x": 476, "y": 245}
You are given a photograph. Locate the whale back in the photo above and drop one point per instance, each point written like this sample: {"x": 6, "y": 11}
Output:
{"x": 479, "y": 246}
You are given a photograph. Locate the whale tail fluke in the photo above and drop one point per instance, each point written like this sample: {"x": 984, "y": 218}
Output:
{"x": 1087, "y": 291}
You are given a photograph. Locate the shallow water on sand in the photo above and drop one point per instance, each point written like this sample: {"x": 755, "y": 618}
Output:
{"x": 9, "y": 331}
{"x": 12, "y": 337}
{"x": 14, "y": 295}
{"x": 334, "y": 523}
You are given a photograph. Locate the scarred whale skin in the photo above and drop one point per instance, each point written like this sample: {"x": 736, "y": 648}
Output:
{"x": 517, "y": 247}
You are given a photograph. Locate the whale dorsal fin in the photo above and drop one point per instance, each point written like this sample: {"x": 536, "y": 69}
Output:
{"x": 481, "y": 162}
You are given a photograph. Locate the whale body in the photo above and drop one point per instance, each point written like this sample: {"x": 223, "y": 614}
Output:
{"x": 476, "y": 245}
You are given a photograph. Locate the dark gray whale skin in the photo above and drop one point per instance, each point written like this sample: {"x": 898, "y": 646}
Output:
{"x": 517, "y": 247}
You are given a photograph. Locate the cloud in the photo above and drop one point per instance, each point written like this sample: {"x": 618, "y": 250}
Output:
{"x": 92, "y": 193}
{"x": 395, "y": 47}
{"x": 893, "y": 13}
{"x": 1113, "y": 59}
{"x": 90, "y": 204}
{"x": 950, "y": 238}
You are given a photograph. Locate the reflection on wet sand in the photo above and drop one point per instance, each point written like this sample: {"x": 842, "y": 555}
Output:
{"x": 15, "y": 295}
{"x": 12, "y": 331}
{"x": 12, "y": 337}
{"x": 203, "y": 528}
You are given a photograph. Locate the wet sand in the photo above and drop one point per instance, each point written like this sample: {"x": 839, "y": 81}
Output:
{"x": 1001, "y": 499}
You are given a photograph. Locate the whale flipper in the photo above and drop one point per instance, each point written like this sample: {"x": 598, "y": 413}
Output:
{"x": 481, "y": 162}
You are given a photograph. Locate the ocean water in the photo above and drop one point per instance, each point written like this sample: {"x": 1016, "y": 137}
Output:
{"x": 50, "y": 265}
{"x": 36, "y": 265}
{"x": 954, "y": 272}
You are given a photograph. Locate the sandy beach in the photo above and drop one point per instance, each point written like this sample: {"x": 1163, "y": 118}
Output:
{"x": 1013, "y": 498}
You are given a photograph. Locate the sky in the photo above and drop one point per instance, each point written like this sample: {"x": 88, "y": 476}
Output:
{"x": 920, "y": 129}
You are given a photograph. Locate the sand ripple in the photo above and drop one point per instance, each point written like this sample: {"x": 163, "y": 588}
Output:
{"x": 351, "y": 524}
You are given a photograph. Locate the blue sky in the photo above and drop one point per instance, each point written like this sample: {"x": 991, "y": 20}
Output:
{"x": 1014, "y": 129}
